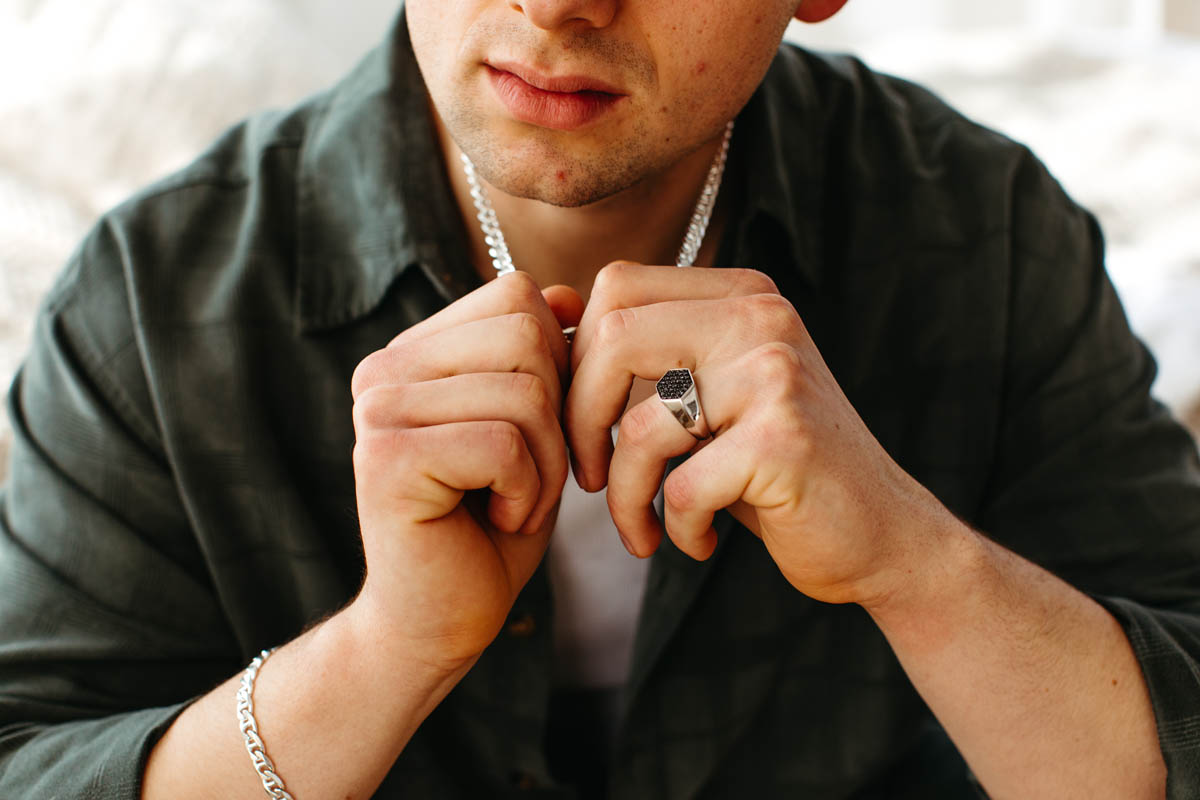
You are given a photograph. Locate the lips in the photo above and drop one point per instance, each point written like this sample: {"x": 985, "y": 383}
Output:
{"x": 564, "y": 103}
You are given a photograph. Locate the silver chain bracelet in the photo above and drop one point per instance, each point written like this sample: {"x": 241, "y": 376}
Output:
{"x": 263, "y": 765}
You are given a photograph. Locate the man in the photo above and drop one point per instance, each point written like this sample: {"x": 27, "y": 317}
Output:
{"x": 896, "y": 321}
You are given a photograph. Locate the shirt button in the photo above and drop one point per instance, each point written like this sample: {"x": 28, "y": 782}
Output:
{"x": 522, "y": 627}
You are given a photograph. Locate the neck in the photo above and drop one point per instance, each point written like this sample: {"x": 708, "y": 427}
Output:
{"x": 644, "y": 223}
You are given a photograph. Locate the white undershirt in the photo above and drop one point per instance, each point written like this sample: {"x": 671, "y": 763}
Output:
{"x": 598, "y": 589}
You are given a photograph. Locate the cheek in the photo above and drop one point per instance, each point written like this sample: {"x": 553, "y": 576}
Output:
{"x": 436, "y": 28}
{"x": 423, "y": 22}
{"x": 717, "y": 61}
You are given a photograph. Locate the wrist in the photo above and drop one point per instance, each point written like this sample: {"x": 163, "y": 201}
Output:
{"x": 368, "y": 625}
{"x": 943, "y": 565}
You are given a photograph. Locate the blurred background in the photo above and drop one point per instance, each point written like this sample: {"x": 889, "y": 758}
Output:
{"x": 99, "y": 98}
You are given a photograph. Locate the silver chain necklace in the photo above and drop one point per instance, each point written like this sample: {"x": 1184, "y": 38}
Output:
{"x": 498, "y": 247}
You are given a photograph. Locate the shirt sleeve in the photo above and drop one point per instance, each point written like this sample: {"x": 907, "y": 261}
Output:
{"x": 1093, "y": 478}
{"x": 109, "y": 623}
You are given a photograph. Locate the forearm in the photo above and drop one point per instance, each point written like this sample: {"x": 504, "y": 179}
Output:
{"x": 1035, "y": 683}
{"x": 335, "y": 708}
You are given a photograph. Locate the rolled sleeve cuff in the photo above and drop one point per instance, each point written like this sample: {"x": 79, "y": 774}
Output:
{"x": 1167, "y": 646}
{"x": 100, "y": 759}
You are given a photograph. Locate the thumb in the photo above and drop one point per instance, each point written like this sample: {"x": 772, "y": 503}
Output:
{"x": 566, "y": 303}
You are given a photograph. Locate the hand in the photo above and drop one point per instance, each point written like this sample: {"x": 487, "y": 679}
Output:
{"x": 791, "y": 458}
{"x": 459, "y": 463}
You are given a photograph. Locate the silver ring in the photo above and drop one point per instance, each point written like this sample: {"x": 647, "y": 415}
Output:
{"x": 677, "y": 391}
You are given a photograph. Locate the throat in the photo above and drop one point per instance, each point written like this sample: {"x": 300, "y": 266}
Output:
{"x": 573, "y": 256}
{"x": 674, "y": 219}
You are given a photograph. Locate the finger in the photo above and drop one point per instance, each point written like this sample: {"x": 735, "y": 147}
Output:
{"x": 425, "y": 472}
{"x": 509, "y": 343}
{"x": 516, "y": 397}
{"x": 648, "y": 437}
{"x": 761, "y": 405}
{"x": 714, "y": 478}
{"x": 506, "y": 294}
{"x": 624, "y": 284}
{"x": 565, "y": 303}
{"x": 645, "y": 342}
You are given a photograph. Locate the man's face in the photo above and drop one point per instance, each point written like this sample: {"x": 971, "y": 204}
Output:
{"x": 570, "y": 101}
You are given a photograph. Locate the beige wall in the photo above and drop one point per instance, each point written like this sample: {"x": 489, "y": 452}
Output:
{"x": 1183, "y": 16}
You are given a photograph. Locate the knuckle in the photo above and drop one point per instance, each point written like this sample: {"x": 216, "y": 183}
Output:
{"x": 613, "y": 326}
{"x": 531, "y": 391}
{"x": 772, "y": 312}
{"x": 752, "y": 282}
{"x": 610, "y": 277}
{"x": 520, "y": 290}
{"x": 778, "y": 371}
{"x": 639, "y": 424}
{"x": 528, "y": 331}
{"x": 766, "y": 284}
{"x": 679, "y": 492}
{"x": 769, "y": 316}
{"x": 380, "y": 446}
{"x": 367, "y": 373}
{"x": 781, "y": 432}
{"x": 504, "y": 441}
{"x": 776, "y": 364}
{"x": 381, "y": 407}
{"x": 366, "y": 412}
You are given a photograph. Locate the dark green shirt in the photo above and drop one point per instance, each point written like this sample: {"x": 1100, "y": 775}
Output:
{"x": 182, "y": 496}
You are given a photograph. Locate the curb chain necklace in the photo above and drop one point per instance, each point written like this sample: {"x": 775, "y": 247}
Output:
{"x": 688, "y": 250}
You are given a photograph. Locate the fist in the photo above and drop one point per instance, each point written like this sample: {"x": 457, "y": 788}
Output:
{"x": 459, "y": 462}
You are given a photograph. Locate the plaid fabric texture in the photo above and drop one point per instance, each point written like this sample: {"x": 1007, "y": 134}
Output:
{"x": 181, "y": 492}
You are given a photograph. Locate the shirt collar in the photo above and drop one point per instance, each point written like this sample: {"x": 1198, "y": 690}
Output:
{"x": 372, "y": 194}
{"x": 373, "y": 199}
{"x": 783, "y": 149}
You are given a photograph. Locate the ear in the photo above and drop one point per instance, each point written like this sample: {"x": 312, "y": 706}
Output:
{"x": 818, "y": 10}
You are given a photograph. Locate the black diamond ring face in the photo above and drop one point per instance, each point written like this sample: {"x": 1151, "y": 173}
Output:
{"x": 674, "y": 384}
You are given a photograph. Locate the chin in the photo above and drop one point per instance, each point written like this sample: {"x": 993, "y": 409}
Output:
{"x": 535, "y": 165}
{"x": 579, "y": 184}
{"x": 568, "y": 182}
{"x": 569, "y": 196}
